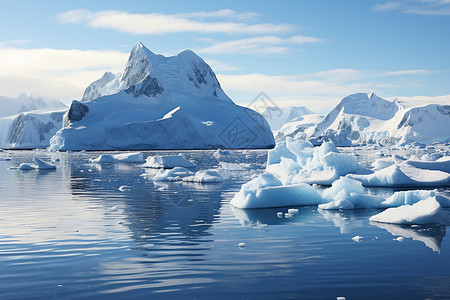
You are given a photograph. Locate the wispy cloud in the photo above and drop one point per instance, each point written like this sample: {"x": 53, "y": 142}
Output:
{"x": 222, "y": 13}
{"x": 157, "y": 23}
{"x": 417, "y": 7}
{"x": 54, "y": 73}
{"x": 408, "y": 72}
{"x": 259, "y": 45}
{"x": 14, "y": 43}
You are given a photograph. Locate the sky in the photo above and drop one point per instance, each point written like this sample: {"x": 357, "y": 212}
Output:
{"x": 310, "y": 53}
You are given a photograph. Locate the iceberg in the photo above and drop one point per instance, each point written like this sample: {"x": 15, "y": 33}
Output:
{"x": 347, "y": 193}
{"x": 295, "y": 161}
{"x": 204, "y": 176}
{"x": 167, "y": 162}
{"x": 407, "y": 173}
{"x": 267, "y": 191}
{"x": 426, "y": 211}
{"x": 175, "y": 174}
{"x": 42, "y": 165}
{"x": 136, "y": 157}
{"x": 160, "y": 102}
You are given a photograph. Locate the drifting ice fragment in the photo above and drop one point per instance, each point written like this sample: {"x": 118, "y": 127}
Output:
{"x": 423, "y": 212}
{"x": 357, "y": 238}
{"x": 136, "y": 157}
{"x": 167, "y": 162}
{"x": 42, "y": 165}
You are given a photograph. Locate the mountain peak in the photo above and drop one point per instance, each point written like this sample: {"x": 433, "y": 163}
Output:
{"x": 149, "y": 74}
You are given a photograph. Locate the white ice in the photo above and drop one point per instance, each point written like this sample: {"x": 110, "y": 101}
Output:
{"x": 42, "y": 165}
{"x": 426, "y": 211}
{"x": 175, "y": 174}
{"x": 167, "y": 162}
{"x": 135, "y": 157}
{"x": 267, "y": 191}
{"x": 205, "y": 176}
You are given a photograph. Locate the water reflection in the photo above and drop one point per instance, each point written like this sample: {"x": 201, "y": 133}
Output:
{"x": 430, "y": 235}
{"x": 269, "y": 216}
{"x": 347, "y": 220}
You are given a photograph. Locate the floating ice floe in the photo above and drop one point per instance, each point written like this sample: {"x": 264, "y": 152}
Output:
{"x": 357, "y": 238}
{"x": 295, "y": 161}
{"x": 26, "y": 166}
{"x": 347, "y": 193}
{"x": 267, "y": 191}
{"x": 167, "y": 162}
{"x": 204, "y": 176}
{"x": 42, "y": 165}
{"x": 411, "y": 197}
{"x": 175, "y": 174}
{"x": 135, "y": 157}
{"x": 427, "y": 211}
{"x": 409, "y": 173}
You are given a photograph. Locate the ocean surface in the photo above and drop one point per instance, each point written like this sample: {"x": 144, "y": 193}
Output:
{"x": 71, "y": 233}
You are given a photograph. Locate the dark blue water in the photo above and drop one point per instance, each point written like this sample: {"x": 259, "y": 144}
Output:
{"x": 71, "y": 233}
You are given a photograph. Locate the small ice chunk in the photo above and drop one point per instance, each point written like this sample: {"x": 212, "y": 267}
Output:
{"x": 357, "y": 238}
{"x": 167, "y": 162}
{"x": 175, "y": 174}
{"x": 205, "y": 176}
{"x": 399, "y": 239}
{"x": 42, "y": 165}
{"x": 25, "y": 166}
{"x": 241, "y": 245}
{"x": 293, "y": 211}
{"x": 124, "y": 188}
{"x": 340, "y": 298}
{"x": 280, "y": 214}
{"x": 135, "y": 157}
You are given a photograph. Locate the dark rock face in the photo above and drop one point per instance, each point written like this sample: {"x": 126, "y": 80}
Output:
{"x": 77, "y": 111}
{"x": 149, "y": 87}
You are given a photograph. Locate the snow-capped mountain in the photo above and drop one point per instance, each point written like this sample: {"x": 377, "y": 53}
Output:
{"x": 29, "y": 130}
{"x": 299, "y": 129}
{"x": 23, "y": 103}
{"x": 27, "y": 122}
{"x": 366, "y": 118}
{"x": 160, "y": 102}
{"x": 278, "y": 116}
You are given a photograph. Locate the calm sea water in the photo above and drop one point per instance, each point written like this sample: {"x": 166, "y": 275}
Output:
{"x": 71, "y": 233}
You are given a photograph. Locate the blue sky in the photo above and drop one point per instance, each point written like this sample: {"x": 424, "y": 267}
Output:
{"x": 309, "y": 53}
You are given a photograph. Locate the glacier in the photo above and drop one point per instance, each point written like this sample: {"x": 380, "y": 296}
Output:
{"x": 160, "y": 102}
{"x": 27, "y": 122}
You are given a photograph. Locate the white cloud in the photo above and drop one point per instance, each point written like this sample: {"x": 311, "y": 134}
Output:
{"x": 14, "y": 43}
{"x": 417, "y": 7}
{"x": 157, "y": 23}
{"x": 54, "y": 73}
{"x": 408, "y": 72}
{"x": 319, "y": 94}
{"x": 222, "y": 13}
{"x": 259, "y": 45}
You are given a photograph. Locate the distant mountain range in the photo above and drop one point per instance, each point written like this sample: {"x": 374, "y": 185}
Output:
{"x": 176, "y": 102}
{"x": 365, "y": 118}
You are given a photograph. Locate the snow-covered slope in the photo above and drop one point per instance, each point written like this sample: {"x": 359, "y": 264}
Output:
{"x": 366, "y": 118}
{"x": 298, "y": 129}
{"x": 24, "y": 103}
{"x": 278, "y": 116}
{"x": 29, "y": 130}
{"x": 27, "y": 122}
{"x": 160, "y": 102}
